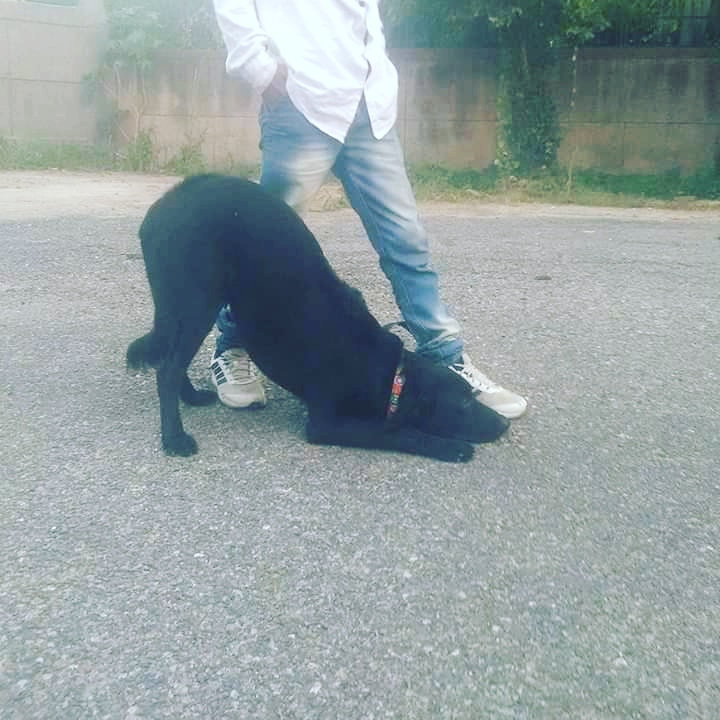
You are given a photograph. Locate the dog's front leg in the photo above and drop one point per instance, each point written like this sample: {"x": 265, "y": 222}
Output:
{"x": 175, "y": 440}
{"x": 377, "y": 435}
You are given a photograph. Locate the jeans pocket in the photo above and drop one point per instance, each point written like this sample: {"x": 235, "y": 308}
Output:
{"x": 268, "y": 107}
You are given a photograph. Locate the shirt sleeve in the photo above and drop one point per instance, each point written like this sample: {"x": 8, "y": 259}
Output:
{"x": 247, "y": 44}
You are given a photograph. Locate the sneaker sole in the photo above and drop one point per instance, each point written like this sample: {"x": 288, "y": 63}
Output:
{"x": 254, "y": 405}
{"x": 510, "y": 413}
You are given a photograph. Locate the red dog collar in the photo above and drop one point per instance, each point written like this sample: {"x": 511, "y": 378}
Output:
{"x": 397, "y": 388}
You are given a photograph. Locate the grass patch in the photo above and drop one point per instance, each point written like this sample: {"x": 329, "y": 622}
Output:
{"x": 433, "y": 182}
{"x": 587, "y": 187}
{"x": 39, "y": 155}
{"x": 668, "y": 186}
{"x": 430, "y": 182}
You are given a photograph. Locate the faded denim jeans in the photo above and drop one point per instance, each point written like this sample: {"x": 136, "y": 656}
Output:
{"x": 296, "y": 160}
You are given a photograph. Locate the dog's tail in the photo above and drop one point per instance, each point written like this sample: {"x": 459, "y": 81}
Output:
{"x": 145, "y": 352}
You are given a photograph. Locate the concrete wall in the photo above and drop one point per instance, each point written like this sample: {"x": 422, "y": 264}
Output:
{"x": 186, "y": 98}
{"x": 447, "y": 107}
{"x": 45, "y": 50}
{"x": 447, "y": 112}
{"x": 635, "y": 109}
{"x": 641, "y": 110}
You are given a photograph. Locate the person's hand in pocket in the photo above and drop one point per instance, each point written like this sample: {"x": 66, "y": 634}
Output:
{"x": 277, "y": 89}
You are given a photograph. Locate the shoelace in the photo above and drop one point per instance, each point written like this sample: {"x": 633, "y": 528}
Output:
{"x": 237, "y": 366}
{"x": 476, "y": 379}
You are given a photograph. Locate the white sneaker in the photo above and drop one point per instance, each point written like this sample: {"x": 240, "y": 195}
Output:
{"x": 237, "y": 380}
{"x": 502, "y": 401}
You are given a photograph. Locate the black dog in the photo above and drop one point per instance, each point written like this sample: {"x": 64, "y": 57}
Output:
{"x": 214, "y": 240}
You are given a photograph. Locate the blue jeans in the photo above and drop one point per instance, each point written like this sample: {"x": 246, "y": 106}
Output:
{"x": 296, "y": 160}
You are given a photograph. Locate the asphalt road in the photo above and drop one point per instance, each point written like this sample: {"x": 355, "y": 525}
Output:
{"x": 572, "y": 570}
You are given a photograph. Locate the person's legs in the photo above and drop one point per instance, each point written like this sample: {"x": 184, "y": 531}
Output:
{"x": 231, "y": 371}
{"x": 373, "y": 174}
{"x": 296, "y": 160}
{"x": 296, "y": 157}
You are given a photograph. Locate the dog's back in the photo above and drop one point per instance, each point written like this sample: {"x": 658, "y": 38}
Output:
{"x": 216, "y": 240}
{"x": 224, "y": 232}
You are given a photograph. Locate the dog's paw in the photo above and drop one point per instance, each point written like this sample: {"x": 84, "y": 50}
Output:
{"x": 457, "y": 451}
{"x": 501, "y": 426}
{"x": 201, "y": 397}
{"x": 464, "y": 453}
{"x": 486, "y": 428}
{"x": 182, "y": 445}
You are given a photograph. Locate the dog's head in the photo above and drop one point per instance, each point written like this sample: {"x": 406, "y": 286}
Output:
{"x": 439, "y": 402}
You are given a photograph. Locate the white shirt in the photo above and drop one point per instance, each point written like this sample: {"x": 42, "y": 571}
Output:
{"x": 334, "y": 51}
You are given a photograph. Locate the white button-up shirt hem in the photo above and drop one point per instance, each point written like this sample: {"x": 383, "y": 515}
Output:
{"x": 334, "y": 51}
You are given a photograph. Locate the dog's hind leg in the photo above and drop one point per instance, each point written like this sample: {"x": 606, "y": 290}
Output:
{"x": 175, "y": 441}
{"x": 173, "y": 382}
{"x": 192, "y": 396}
{"x": 146, "y": 351}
